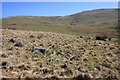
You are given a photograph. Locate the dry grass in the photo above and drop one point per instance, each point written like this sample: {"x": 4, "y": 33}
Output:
{"x": 71, "y": 56}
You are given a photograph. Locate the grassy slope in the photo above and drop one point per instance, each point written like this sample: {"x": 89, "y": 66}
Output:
{"x": 92, "y": 58}
{"x": 103, "y": 21}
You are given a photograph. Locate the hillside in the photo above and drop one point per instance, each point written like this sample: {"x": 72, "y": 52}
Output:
{"x": 69, "y": 57}
{"x": 99, "y": 21}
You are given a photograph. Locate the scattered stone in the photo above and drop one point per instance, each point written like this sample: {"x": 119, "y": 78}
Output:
{"x": 42, "y": 50}
{"x": 11, "y": 68}
{"x": 11, "y": 48}
{"x": 64, "y": 66}
{"x": 18, "y": 44}
{"x": 101, "y": 37}
{"x": 104, "y": 38}
{"x": 53, "y": 78}
{"x": 85, "y": 60}
{"x": 68, "y": 72}
{"x": 81, "y": 69}
{"x": 12, "y": 40}
{"x": 111, "y": 48}
{"x": 82, "y": 36}
{"x": 44, "y": 71}
{"x": 4, "y": 63}
{"x": 98, "y": 68}
{"x": 74, "y": 58}
{"x": 82, "y": 77}
{"x": 33, "y": 35}
{"x": 10, "y": 54}
{"x": 90, "y": 37}
{"x": 4, "y": 55}
{"x": 4, "y": 67}
{"x": 22, "y": 67}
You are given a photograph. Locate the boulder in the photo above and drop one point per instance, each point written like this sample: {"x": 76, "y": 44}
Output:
{"x": 101, "y": 37}
{"x": 82, "y": 36}
{"x": 18, "y": 44}
{"x": 4, "y": 55}
{"x": 44, "y": 71}
{"x": 90, "y": 37}
{"x": 33, "y": 35}
{"x": 104, "y": 38}
{"x": 22, "y": 67}
{"x": 4, "y": 63}
{"x": 64, "y": 66}
{"x": 42, "y": 50}
{"x": 12, "y": 40}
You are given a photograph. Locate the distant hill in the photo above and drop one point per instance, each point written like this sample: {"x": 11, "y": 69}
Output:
{"x": 99, "y": 21}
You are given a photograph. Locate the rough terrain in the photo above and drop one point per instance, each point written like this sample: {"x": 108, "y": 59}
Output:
{"x": 70, "y": 56}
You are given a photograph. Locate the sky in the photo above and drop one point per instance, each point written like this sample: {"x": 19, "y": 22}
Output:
{"x": 51, "y": 8}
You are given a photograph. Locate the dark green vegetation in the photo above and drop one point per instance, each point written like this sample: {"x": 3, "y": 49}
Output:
{"x": 96, "y": 22}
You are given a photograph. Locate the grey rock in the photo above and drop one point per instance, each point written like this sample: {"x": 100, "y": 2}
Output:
{"x": 42, "y": 50}
{"x": 33, "y": 35}
{"x": 18, "y": 44}
{"x": 4, "y": 63}
{"x": 12, "y": 40}
{"x": 82, "y": 36}
{"x": 4, "y": 55}
{"x": 90, "y": 37}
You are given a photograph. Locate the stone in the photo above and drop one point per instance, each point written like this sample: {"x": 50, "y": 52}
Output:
{"x": 4, "y": 63}
{"x": 22, "y": 67}
{"x": 33, "y": 35}
{"x": 18, "y": 44}
{"x": 64, "y": 66}
{"x": 82, "y": 36}
{"x": 42, "y": 50}
{"x": 90, "y": 37}
{"x": 12, "y": 40}
{"x": 4, "y": 55}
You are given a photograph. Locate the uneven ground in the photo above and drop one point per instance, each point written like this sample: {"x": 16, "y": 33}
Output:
{"x": 98, "y": 21}
{"x": 71, "y": 56}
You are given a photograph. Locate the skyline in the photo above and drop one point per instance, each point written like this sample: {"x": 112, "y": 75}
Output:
{"x": 51, "y": 8}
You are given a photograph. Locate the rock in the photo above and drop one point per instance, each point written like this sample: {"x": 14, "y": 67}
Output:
{"x": 68, "y": 72}
{"x": 18, "y": 44}
{"x": 44, "y": 71}
{"x": 80, "y": 68}
{"x": 22, "y": 67}
{"x": 82, "y": 36}
{"x": 90, "y": 37}
{"x": 98, "y": 68}
{"x": 82, "y": 77}
{"x": 10, "y": 54}
{"x": 33, "y": 35}
{"x": 64, "y": 66}
{"x": 12, "y": 40}
{"x": 85, "y": 60}
{"x": 111, "y": 48}
{"x": 74, "y": 58}
{"x": 4, "y": 67}
{"x": 104, "y": 38}
{"x": 4, "y": 63}
{"x": 53, "y": 78}
{"x": 101, "y": 37}
{"x": 11, "y": 68}
{"x": 11, "y": 48}
{"x": 42, "y": 50}
{"x": 4, "y": 55}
